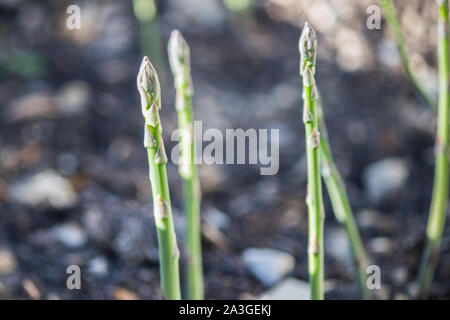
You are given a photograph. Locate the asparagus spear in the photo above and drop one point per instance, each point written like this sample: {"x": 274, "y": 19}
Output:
{"x": 341, "y": 205}
{"x": 150, "y": 92}
{"x": 316, "y": 216}
{"x": 391, "y": 18}
{"x": 438, "y": 210}
{"x": 179, "y": 58}
{"x": 146, "y": 13}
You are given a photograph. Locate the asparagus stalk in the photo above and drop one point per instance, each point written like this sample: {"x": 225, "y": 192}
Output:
{"x": 150, "y": 92}
{"x": 149, "y": 31}
{"x": 308, "y": 52}
{"x": 391, "y": 18}
{"x": 340, "y": 203}
{"x": 179, "y": 58}
{"x": 438, "y": 209}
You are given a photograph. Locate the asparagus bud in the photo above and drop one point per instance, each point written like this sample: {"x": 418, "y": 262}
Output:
{"x": 307, "y": 46}
{"x": 179, "y": 60}
{"x": 148, "y": 85}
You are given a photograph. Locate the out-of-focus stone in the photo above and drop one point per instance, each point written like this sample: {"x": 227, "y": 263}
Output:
{"x": 100, "y": 224}
{"x": 338, "y": 246}
{"x": 368, "y": 219}
{"x": 8, "y": 262}
{"x": 380, "y": 245}
{"x": 31, "y": 289}
{"x": 268, "y": 265}
{"x": 388, "y": 54}
{"x": 124, "y": 294}
{"x": 135, "y": 240}
{"x": 353, "y": 52}
{"x": 288, "y": 289}
{"x": 98, "y": 266}
{"x": 73, "y": 97}
{"x": 70, "y": 234}
{"x": 32, "y": 106}
{"x": 216, "y": 218}
{"x": 46, "y": 189}
{"x": 384, "y": 177}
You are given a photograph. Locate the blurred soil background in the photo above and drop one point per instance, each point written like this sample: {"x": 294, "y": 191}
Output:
{"x": 74, "y": 183}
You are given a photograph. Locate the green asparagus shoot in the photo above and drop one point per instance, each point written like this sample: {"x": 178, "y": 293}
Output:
{"x": 308, "y": 53}
{"x": 150, "y": 92}
{"x": 179, "y": 58}
{"x": 438, "y": 209}
{"x": 392, "y": 20}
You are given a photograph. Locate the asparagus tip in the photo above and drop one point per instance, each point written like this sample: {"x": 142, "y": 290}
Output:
{"x": 178, "y": 52}
{"x": 307, "y": 46}
{"x": 148, "y": 85}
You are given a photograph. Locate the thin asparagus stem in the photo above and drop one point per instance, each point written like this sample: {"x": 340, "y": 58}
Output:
{"x": 308, "y": 51}
{"x": 149, "y": 89}
{"x": 341, "y": 205}
{"x": 391, "y": 18}
{"x": 179, "y": 58}
{"x": 149, "y": 31}
{"x": 438, "y": 209}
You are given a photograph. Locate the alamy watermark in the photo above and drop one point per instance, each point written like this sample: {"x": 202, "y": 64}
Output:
{"x": 233, "y": 146}
{"x": 74, "y": 19}
{"x": 373, "y": 22}
{"x": 74, "y": 279}
{"x": 373, "y": 277}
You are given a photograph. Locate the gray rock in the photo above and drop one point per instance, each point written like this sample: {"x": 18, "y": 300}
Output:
{"x": 384, "y": 177}
{"x": 136, "y": 240}
{"x": 100, "y": 224}
{"x": 380, "y": 245}
{"x": 268, "y": 265}
{"x": 73, "y": 97}
{"x": 241, "y": 205}
{"x": 400, "y": 275}
{"x": 98, "y": 266}
{"x": 67, "y": 163}
{"x": 288, "y": 289}
{"x": 338, "y": 246}
{"x": 8, "y": 262}
{"x": 45, "y": 190}
{"x": 387, "y": 54}
{"x": 216, "y": 218}
{"x": 368, "y": 218}
{"x": 70, "y": 234}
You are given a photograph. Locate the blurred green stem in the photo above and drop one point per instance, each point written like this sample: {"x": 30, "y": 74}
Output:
{"x": 392, "y": 20}
{"x": 179, "y": 58}
{"x": 150, "y": 36}
{"x": 438, "y": 210}
{"x": 341, "y": 205}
